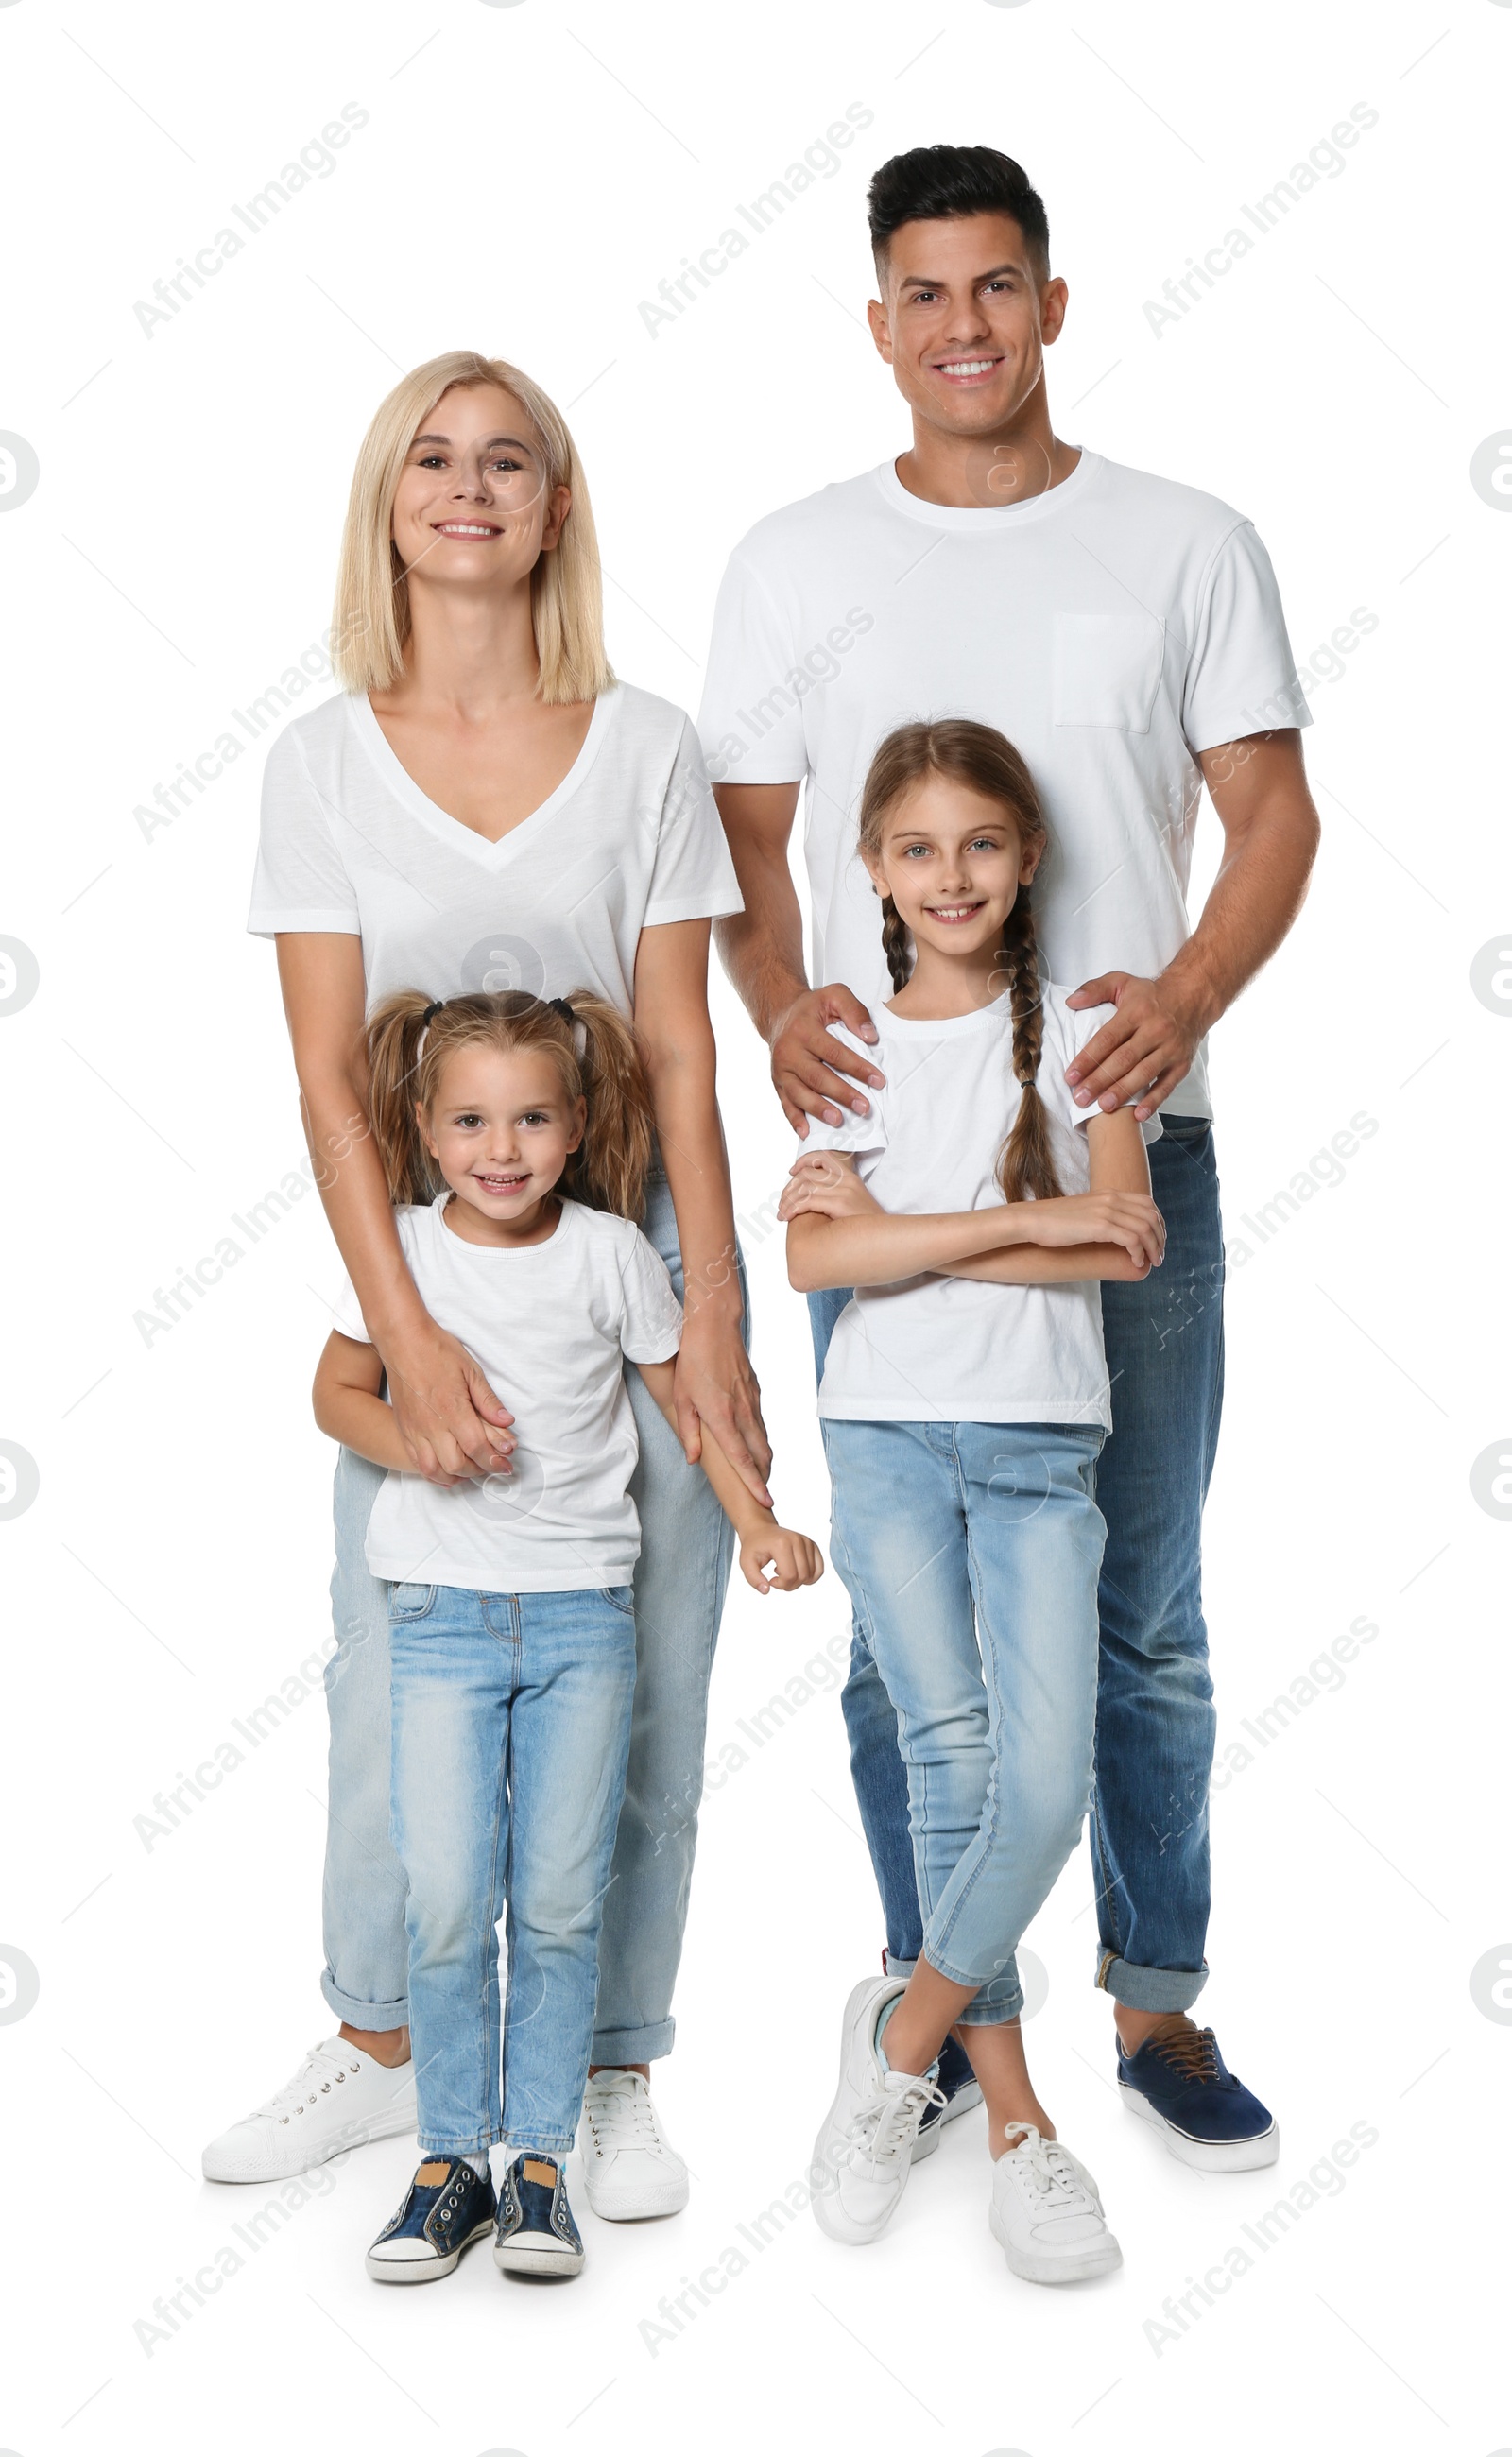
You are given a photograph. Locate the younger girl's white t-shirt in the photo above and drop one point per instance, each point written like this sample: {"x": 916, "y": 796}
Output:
{"x": 551, "y": 1326}
{"x": 938, "y": 1349}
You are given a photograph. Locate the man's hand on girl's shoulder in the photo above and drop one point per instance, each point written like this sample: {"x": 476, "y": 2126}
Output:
{"x": 810, "y": 1067}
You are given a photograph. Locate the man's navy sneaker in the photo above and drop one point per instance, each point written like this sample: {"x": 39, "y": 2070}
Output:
{"x": 537, "y": 2237}
{"x": 961, "y": 2090}
{"x": 446, "y": 2208}
{"x": 1178, "y": 2082}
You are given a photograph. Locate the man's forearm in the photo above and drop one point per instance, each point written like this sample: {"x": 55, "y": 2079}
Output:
{"x": 761, "y": 949}
{"x": 1270, "y": 829}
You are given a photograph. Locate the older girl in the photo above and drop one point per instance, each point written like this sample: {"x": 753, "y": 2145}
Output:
{"x": 965, "y": 1401}
{"x": 485, "y": 808}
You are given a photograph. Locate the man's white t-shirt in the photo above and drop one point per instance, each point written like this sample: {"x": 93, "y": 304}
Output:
{"x": 629, "y": 840}
{"x": 936, "y": 1349}
{"x": 550, "y": 1326}
{"x": 1110, "y": 627}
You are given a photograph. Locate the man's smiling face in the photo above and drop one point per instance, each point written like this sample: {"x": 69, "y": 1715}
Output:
{"x": 964, "y": 318}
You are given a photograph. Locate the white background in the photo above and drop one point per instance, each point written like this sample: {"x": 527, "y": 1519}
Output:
{"x": 528, "y": 176}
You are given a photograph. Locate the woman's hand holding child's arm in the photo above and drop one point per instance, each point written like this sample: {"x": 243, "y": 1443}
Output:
{"x": 792, "y": 1560}
{"x": 348, "y": 1406}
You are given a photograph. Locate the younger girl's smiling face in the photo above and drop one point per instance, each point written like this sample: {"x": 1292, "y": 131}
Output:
{"x": 501, "y": 1128}
{"x": 953, "y": 863}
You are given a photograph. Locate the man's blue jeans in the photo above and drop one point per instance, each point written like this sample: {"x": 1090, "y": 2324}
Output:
{"x": 1155, "y": 1721}
{"x": 511, "y": 1720}
{"x": 687, "y": 1550}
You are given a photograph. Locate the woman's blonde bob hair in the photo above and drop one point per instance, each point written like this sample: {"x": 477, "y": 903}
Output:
{"x": 370, "y": 624}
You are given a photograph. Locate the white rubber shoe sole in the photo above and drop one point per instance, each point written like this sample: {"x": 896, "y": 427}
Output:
{"x": 408, "y": 2271}
{"x": 1065, "y": 2269}
{"x": 1211, "y": 2157}
{"x": 537, "y": 2255}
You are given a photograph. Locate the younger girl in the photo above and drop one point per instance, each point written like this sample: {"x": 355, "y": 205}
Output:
{"x": 515, "y": 1135}
{"x": 965, "y": 1401}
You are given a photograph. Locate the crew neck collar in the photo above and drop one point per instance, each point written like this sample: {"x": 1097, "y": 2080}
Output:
{"x": 996, "y": 520}
{"x": 948, "y": 1026}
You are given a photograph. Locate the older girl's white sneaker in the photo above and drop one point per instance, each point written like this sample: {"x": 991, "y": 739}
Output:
{"x": 1048, "y": 2215}
{"x": 629, "y": 2168}
{"x": 339, "y": 2097}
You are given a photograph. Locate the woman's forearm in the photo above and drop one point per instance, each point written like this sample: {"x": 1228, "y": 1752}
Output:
{"x": 692, "y": 1151}
{"x": 355, "y": 1194}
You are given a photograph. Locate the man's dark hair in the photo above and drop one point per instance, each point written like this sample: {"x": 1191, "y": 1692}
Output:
{"x": 944, "y": 183}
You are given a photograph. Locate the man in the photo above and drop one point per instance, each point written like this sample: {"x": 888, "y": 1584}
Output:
{"x": 1126, "y": 635}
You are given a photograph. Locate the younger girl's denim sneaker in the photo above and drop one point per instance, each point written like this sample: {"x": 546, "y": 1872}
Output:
{"x": 447, "y": 2207}
{"x": 536, "y": 2234}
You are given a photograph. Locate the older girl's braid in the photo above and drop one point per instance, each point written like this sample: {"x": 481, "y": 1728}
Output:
{"x": 895, "y": 944}
{"x": 1027, "y": 1162}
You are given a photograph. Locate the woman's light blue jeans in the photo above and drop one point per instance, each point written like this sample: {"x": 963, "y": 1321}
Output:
{"x": 511, "y": 1720}
{"x": 971, "y": 1554}
{"x": 686, "y": 1554}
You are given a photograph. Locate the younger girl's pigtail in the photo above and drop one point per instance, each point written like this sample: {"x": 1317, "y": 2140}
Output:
{"x": 609, "y": 1171}
{"x": 1027, "y": 1162}
{"x": 396, "y": 1032}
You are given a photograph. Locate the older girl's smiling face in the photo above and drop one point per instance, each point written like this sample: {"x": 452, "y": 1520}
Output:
{"x": 953, "y": 863}
{"x": 472, "y": 508}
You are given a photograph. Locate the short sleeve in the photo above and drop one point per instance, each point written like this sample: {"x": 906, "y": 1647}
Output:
{"x": 1241, "y": 677}
{"x": 300, "y": 881}
{"x": 1073, "y": 1028}
{"x": 651, "y": 1332}
{"x": 751, "y": 722}
{"x": 692, "y": 876}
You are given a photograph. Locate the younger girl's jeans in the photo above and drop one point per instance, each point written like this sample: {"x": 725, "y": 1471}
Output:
{"x": 972, "y": 1552}
{"x": 510, "y": 1724}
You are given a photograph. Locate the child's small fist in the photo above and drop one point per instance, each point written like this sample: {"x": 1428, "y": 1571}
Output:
{"x": 778, "y": 1558}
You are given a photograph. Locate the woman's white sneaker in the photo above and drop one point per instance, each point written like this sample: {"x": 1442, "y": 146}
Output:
{"x": 1046, "y": 2214}
{"x": 339, "y": 2097}
{"x": 865, "y": 2147}
{"x": 629, "y": 2168}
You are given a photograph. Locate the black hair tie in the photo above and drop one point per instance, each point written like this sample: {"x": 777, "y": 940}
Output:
{"x": 433, "y": 1009}
{"x": 564, "y": 1008}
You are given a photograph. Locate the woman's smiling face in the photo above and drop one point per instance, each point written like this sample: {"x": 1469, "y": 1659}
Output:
{"x": 472, "y": 508}
{"x": 952, "y": 861}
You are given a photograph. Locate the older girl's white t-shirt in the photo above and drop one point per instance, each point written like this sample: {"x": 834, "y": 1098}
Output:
{"x": 551, "y": 1326}
{"x": 935, "y": 1348}
{"x": 629, "y": 840}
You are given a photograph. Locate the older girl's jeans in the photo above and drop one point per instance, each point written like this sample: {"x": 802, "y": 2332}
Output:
{"x": 687, "y": 1550}
{"x": 511, "y": 1731}
{"x": 972, "y": 1552}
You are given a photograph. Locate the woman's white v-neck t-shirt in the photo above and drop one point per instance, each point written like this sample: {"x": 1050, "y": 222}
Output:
{"x": 630, "y": 838}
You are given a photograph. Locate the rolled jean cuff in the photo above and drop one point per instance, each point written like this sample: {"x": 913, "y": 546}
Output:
{"x": 633, "y": 2047}
{"x": 551, "y": 2145}
{"x": 431, "y": 2146}
{"x": 999, "y": 1999}
{"x": 896, "y": 1968}
{"x": 1150, "y": 1991}
{"x": 363, "y": 2016}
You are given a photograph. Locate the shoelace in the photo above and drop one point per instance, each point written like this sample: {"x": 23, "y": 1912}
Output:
{"x": 298, "y": 2093}
{"x": 883, "y": 2130}
{"x": 1049, "y": 2173}
{"x": 622, "y": 2118}
{"x": 1193, "y": 2053}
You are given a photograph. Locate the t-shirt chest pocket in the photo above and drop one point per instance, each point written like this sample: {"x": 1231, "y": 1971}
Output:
{"x": 1106, "y": 671}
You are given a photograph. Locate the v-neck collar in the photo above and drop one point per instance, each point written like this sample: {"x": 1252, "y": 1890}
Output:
{"x": 441, "y": 823}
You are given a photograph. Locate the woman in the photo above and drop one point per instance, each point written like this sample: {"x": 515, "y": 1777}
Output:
{"x": 487, "y": 808}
